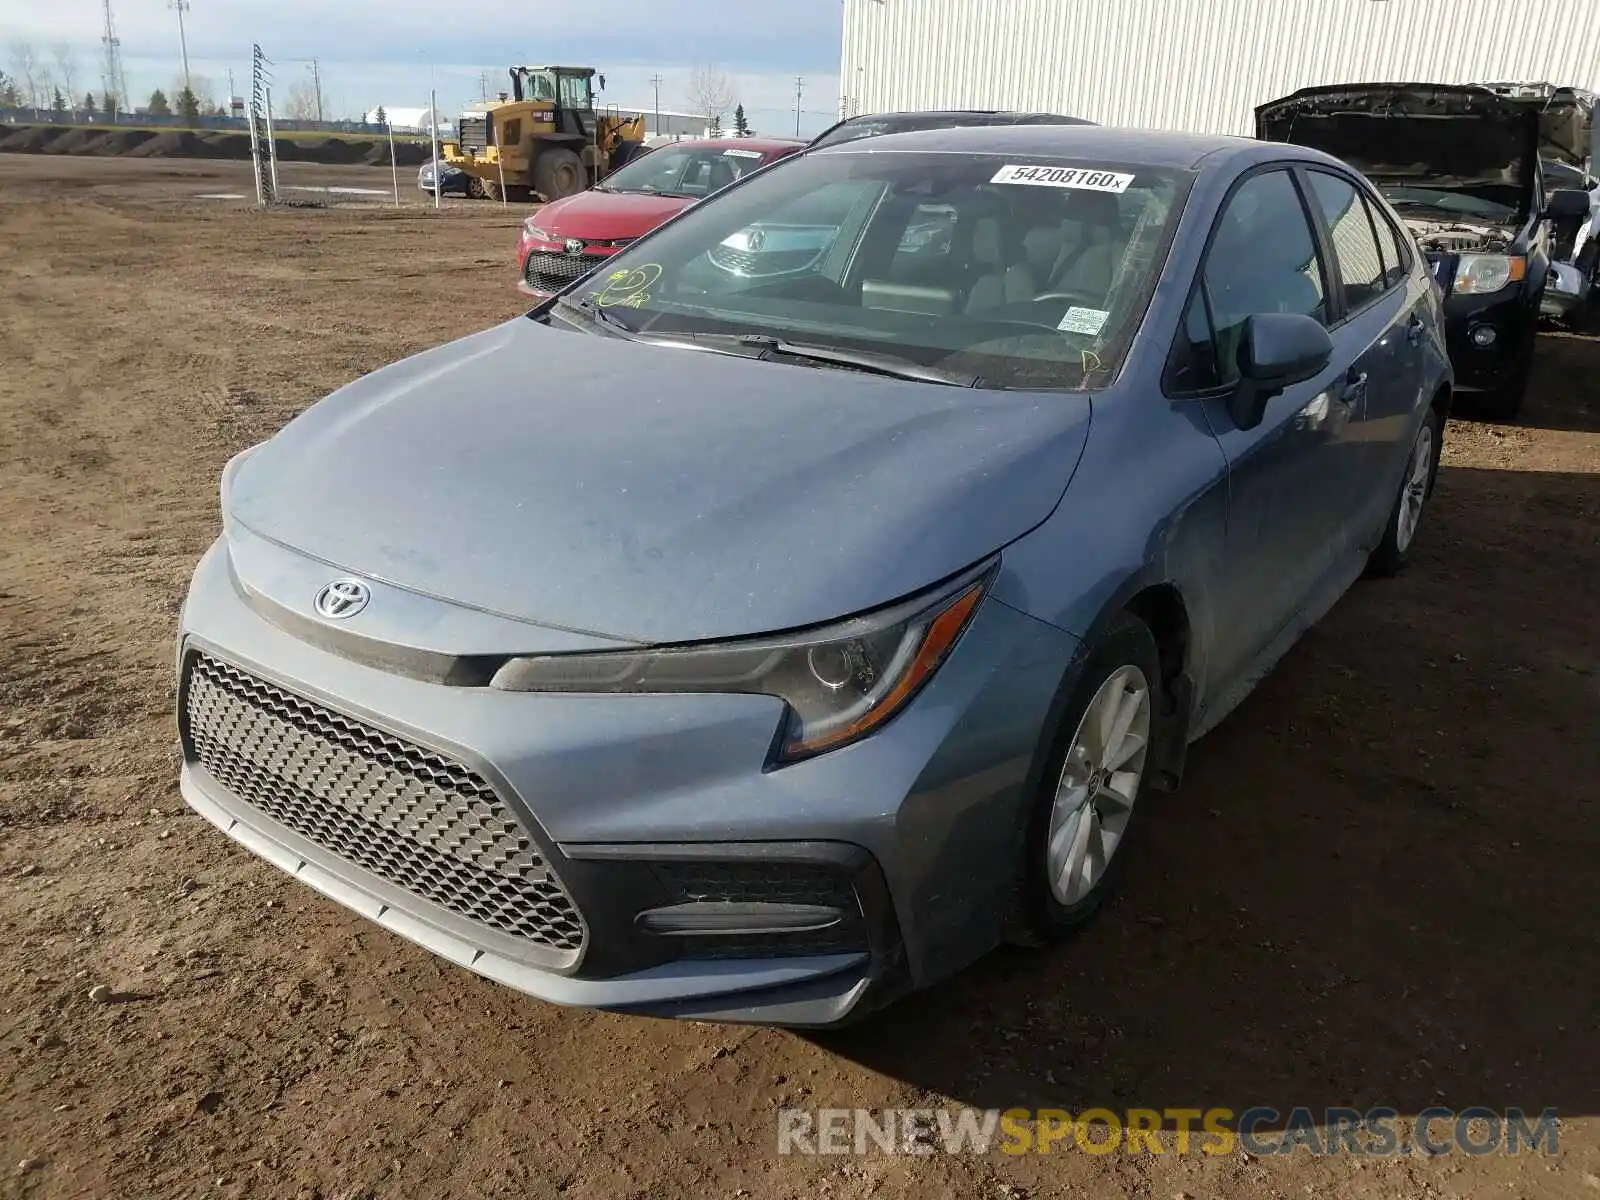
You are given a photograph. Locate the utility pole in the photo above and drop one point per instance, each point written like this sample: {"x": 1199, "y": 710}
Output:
{"x": 181, "y": 7}
{"x": 316, "y": 85}
{"x": 799, "y": 82}
{"x": 655, "y": 81}
{"x": 230, "y": 91}
{"x": 113, "y": 84}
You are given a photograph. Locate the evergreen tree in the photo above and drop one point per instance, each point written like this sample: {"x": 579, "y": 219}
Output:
{"x": 157, "y": 105}
{"x": 741, "y": 127}
{"x": 88, "y": 102}
{"x": 109, "y": 104}
{"x": 188, "y": 106}
{"x": 381, "y": 117}
{"x": 58, "y": 102}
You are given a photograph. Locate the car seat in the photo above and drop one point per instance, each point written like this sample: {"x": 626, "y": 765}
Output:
{"x": 1090, "y": 236}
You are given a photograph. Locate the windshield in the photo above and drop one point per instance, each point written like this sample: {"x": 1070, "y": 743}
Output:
{"x": 1023, "y": 271}
{"x": 1485, "y": 203}
{"x": 685, "y": 170}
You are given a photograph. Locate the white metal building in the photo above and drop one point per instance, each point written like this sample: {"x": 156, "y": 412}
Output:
{"x": 1200, "y": 65}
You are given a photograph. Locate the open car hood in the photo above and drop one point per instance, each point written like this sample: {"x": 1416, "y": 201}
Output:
{"x": 1566, "y": 119}
{"x": 1440, "y": 135}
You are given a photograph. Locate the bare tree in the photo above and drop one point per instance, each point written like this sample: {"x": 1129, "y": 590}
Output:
{"x": 67, "y": 72}
{"x": 300, "y": 102}
{"x": 709, "y": 94}
{"x": 205, "y": 92}
{"x": 29, "y": 72}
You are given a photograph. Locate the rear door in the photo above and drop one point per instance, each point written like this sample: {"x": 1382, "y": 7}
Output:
{"x": 1292, "y": 480}
{"x": 1381, "y": 321}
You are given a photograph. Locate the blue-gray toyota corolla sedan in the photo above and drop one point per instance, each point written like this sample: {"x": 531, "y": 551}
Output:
{"x": 804, "y": 604}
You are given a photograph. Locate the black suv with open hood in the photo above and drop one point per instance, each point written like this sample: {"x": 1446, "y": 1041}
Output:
{"x": 1460, "y": 165}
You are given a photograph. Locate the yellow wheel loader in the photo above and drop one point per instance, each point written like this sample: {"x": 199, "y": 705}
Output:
{"x": 544, "y": 138}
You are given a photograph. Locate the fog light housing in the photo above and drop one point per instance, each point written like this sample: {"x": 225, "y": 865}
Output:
{"x": 1484, "y": 336}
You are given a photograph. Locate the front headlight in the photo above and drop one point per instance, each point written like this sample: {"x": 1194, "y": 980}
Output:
{"x": 1481, "y": 274}
{"x": 841, "y": 682}
{"x": 533, "y": 233}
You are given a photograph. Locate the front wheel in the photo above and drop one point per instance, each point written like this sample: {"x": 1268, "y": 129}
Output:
{"x": 1405, "y": 518}
{"x": 1095, "y": 778}
{"x": 558, "y": 172}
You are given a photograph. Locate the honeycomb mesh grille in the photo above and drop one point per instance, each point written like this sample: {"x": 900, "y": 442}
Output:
{"x": 417, "y": 819}
{"x": 550, "y": 271}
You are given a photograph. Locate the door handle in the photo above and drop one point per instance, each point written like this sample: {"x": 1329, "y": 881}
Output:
{"x": 1355, "y": 388}
{"x": 1414, "y": 330}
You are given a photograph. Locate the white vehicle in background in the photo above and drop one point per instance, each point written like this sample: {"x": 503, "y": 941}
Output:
{"x": 1568, "y": 153}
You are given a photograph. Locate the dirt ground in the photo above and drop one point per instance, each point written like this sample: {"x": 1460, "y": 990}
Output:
{"x": 1377, "y": 887}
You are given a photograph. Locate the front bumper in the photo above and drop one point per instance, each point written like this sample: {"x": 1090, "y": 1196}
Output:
{"x": 1512, "y": 315}
{"x": 650, "y": 805}
{"x": 543, "y": 269}
{"x": 1566, "y": 291}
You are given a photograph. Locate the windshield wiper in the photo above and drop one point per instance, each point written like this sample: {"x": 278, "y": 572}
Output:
{"x": 873, "y": 362}
{"x": 600, "y": 316}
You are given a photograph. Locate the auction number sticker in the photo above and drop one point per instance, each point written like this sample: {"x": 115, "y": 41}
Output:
{"x": 741, "y": 154}
{"x": 1084, "y": 320}
{"x": 1084, "y": 179}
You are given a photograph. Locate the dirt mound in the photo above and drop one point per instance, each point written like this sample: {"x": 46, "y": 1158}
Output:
{"x": 175, "y": 143}
{"x": 202, "y": 143}
{"x": 30, "y": 139}
{"x": 73, "y": 141}
{"x": 118, "y": 142}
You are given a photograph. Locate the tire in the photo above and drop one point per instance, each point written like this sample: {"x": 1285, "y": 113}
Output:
{"x": 473, "y": 189}
{"x": 624, "y": 154}
{"x": 1125, "y": 660}
{"x": 1411, "y": 499}
{"x": 558, "y": 172}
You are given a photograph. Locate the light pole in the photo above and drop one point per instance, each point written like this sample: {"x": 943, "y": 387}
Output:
{"x": 798, "y": 82}
{"x": 181, "y": 7}
{"x": 655, "y": 81}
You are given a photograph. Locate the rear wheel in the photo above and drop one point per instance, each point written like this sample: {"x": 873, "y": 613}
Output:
{"x": 474, "y": 189}
{"x": 558, "y": 172}
{"x": 1422, "y": 467}
{"x": 1086, "y": 807}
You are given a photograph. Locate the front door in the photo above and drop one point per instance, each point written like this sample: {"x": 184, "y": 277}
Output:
{"x": 1292, "y": 479}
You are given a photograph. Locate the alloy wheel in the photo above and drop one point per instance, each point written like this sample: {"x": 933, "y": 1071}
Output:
{"x": 1099, "y": 783}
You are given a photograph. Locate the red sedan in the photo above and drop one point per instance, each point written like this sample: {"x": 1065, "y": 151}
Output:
{"x": 564, "y": 239}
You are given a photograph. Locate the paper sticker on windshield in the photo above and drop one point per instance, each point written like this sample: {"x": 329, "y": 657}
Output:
{"x": 1081, "y": 178}
{"x": 1084, "y": 320}
{"x": 741, "y": 154}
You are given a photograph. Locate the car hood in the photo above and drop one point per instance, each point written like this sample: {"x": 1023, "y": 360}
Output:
{"x": 1567, "y": 129}
{"x": 607, "y": 216}
{"x": 654, "y": 494}
{"x": 1447, "y": 136}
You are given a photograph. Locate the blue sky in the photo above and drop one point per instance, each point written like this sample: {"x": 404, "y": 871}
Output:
{"x": 374, "y": 53}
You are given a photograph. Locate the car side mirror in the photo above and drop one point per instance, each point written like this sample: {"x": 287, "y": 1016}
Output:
{"x": 1278, "y": 350}
{"x": 1567, "y": 203}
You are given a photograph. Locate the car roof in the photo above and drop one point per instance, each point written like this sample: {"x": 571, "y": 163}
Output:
{"x": 740, "y": 143}
{"x": 950, "y": 117}
{"x": 1151, "y": 147}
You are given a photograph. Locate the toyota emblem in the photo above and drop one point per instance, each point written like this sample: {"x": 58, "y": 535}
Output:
{"x": 574, "y": 245}
{"x": 342, "y": 598}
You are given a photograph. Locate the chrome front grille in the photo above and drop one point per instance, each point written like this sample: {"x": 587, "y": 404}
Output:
{"x": 549, "y": 271}
{"x": 415, "y": 818}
